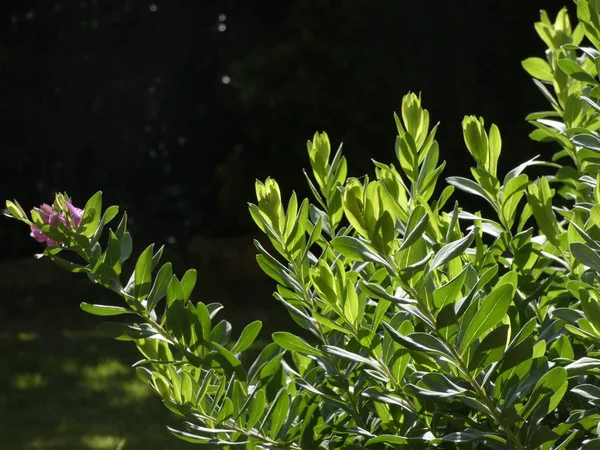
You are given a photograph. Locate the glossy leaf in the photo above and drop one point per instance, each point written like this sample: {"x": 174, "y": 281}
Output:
{"x": 491, "y": 312}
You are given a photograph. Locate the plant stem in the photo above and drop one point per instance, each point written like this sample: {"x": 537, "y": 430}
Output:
{"x": 483, "y": 397}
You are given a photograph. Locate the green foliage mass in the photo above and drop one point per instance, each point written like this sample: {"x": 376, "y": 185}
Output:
{"x": 427, "y": 325}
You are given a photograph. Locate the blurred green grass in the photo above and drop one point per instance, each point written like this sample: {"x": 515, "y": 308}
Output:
{"x": 64, "y": 386}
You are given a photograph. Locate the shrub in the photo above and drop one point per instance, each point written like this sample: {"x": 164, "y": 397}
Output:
{"x": 430, "y": 326}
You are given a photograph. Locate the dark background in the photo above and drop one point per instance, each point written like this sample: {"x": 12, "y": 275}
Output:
{"x": 174, "y": 108}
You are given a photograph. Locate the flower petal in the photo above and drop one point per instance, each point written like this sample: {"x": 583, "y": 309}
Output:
{"x": 37, "y": 234}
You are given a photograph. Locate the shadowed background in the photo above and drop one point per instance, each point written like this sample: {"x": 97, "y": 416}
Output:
{"x": 173, "y": 109}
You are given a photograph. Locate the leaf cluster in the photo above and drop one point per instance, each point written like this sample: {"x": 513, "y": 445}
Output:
{"x": 429, "y": 325}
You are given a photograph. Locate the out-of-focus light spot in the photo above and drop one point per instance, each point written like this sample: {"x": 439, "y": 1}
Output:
{"x": 148, "y": 129}
{"x": 173, "y": 190}
{"x": 83, "y": 4}
{"x": 161, "y": 146}
{"x": 99, "y": 441}
{"x": 58, "y": 7}
{"x": 24, "y": 336}
{"x": 23, "y": 381}
{"x": 153, "y": 8}
{"x": 152, "y": 89}
{"x": 14, "y": 18}
{"x": 157, "y": 80}
{"x": 222, "y": 17}
{"x": 69, "y": 366}
{"x": 187, "y": 223}
{"x": 181, "y": 140}
{"x": 167, "y": 168}
{"x": 29, "y": 15}
{"x": 222, "y": 27}
{"x": 225, "y": 79}
{"x": 94, "y": 24}
{"x": 153, "y": 153}
{"x": 171, "y": 240}
{"x": 105, "y": 370}
{"x": 163, "y": 128}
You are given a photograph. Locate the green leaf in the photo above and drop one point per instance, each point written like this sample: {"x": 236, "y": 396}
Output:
{"x": 520, "y": 168}
{"x": 493, "y": 309}
{"x": 419, "y": 342}
{"x": 189, "y": 437}
{"x": 376, "y": 291}
{"x": 123, "y": 332}
{"x": 586, "y": 256}
{"x": 352, "y": 309}
{"x": 388, "y": 439}
{"x": 572, "y": 69}
{"x": 188, "y": 282}
{"x": 232, "y": 360}
{"x": 551, "y": 387}
{"x": 453, "y": 250}
{"x": 126, "y": 247}
{"x": 329, "y": 323}
{"x": 204, "y": 317}
{"x": 438, "y": 386}
{"x": 143, "y": 273}
{"x": 515, "y": 365}
{"x": 16, "y": 211}
{"x": 415, "y": 227}
{"x": 270, "y": 355}
{"x": 587, "y": 141}
{"x": 539, "y": 198}
{"x": 248, "y": 336}
{"x": 588, "y": 391}
{"x": 449, "y": 292}
{"x": 464, "y": 184}
{"x": 257, "y": 408}
{"x": 90, "y": 219}
{"x": 337, "y": 351}
{"x": 109, "y": 214}
{"x": 104, "y": 310}
{"x": 582, "y": 366}
{"x": 67, "y": 265}
{"x": 546, "y": 93}
{"x": 288, "y": 341}
{"x": 490, "y": 349}
{"x": 352, "y": 201}
{"x": 538, "y": 68}
{"x": 407, "y": 154}
{"x": 160, "y": 286}
{"x": 471, "y": 434}
{"x": 357, "y": 250}
{"x": 112, "y": 256}
{"x": 279, "y": 414}
{"x": 512, "y": 193}
{"x": 221, "y": 333}
{"x": 178, "y": 321}
{"x": 174, "y": 291}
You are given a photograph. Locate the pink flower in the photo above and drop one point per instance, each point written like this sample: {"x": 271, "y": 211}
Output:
{"x": 76, "y": 215}
{"x": 55, "y": 218}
